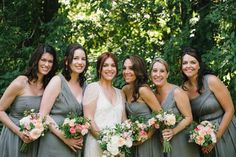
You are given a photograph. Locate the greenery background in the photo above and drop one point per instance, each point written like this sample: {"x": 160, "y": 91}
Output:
{"x": 149, "y": 28}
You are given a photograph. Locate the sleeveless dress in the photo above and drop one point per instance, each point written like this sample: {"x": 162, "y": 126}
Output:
{"x": 180, "y": 145}
{"x": 106, "y": 115}
{"x": 10, "y": 143}
{"x": 50, "y": 145}
{"x": 152, "y": 146}
{"x": 207, "y": 107}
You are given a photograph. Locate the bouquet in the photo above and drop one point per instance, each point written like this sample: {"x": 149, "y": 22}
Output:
{"x": 139, "y": 130}
{"x": 203, "y": 134}
{"x": 117, "y": 140}
{"x": 75, "y": 126}
{"x": 34, "y": 125}
{"x": 165, "y": 120}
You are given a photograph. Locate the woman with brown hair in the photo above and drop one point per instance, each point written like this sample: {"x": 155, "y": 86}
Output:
{"x": 210, "y": 100}
{"x": 140, "y": 102}
{"x": 103, "y": 103}
{"x": 25, "y": 93}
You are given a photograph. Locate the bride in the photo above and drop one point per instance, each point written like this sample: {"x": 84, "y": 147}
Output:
{"x": 103, "y": 104}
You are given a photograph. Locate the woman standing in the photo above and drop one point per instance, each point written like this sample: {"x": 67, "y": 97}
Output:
{"x": 210, "y": 100}
{"x": 25, "y": 93}
{"x": 173, "y": 98}
{"x": 103, "y": 103}
{"x": 140, "y": 102}
{"x": 63, "y": 96}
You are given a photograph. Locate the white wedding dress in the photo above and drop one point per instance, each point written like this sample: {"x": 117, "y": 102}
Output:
{"x": 106, "y": 115}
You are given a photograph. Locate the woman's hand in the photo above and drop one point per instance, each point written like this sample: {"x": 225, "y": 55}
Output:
{"x": 24, "y": 136}
{"x": 74, "y": 143}
{"x": 208, "y": 149}
{"x": 168, "y": 134}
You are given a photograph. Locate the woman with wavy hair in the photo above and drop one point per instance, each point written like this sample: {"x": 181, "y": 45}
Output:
{"x": 140, "y": 102}
{"x": 25, "y": 93}
{"x": 63, "y": 96}
{"x": 210, "y": 100}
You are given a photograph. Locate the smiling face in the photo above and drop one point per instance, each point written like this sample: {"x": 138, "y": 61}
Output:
{"x": 159, "y": 74}
{"x": 128, "y": 72}
{"x": 78, "y": 63}
{"x": 45, "y": 63}
{"x": 108, "y": 70}
{"x": 190, "y": 66}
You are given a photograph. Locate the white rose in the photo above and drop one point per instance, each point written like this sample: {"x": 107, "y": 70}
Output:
{"x": 35, "y": 133}
{"x": 113, "y": 149}
{"x": 170, "y": 119}
{"x": 129, "y": 142}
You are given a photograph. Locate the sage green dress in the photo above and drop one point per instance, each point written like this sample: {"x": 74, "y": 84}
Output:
{"x": 180, "y": 145}
{"x": 152, "y": 146}
{"x": 10, "y": 143}
{"x": 207, "y": 107}
{"x": 50, "y": 145}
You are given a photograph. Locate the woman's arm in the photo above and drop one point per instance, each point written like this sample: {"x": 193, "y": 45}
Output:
{"x": 49, "y": 97}
{"x": 149, "y": 98}
{"x": 223, "y": 96}
{"x": 13, "y": 90}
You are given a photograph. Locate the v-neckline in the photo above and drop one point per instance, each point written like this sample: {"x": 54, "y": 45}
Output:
{"x": 116, "y": 96}
{"x": 67, "y": 86}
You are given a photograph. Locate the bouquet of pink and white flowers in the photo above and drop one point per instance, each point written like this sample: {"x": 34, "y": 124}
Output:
{"x": 204, "y": 134}
{"x": 33, "y": 125}
{"x": 75, "y": 126}
{"x": 117, "y": 140}
{"x": 139, "y": 130}
{"x": 165, "y": 120}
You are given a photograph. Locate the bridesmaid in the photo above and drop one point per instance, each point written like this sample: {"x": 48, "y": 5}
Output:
{"x": 62, "y": 96}
{"x": 103, "y": 103}
{"x": 173, "y": 98}
{"x": 25, "y": 93}
{"x": 141, "y": 101}
{"x": 210, "y": 100}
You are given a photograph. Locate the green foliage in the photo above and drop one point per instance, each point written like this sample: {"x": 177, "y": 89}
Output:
{"x": 150, "y": 28}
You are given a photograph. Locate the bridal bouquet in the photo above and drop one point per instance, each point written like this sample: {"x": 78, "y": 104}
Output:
{"x": 203, "y": 134}
{"x": 117, "y": 140}
{"x": 75, "y": 126}
{"x": 34, "y": 125}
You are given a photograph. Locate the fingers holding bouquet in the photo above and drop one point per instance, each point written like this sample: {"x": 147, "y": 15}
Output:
{"x": 168, "y": 134}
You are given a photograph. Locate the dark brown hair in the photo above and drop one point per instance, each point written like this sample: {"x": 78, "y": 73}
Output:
{"x": 201, "y": 72}
{"x": 140, "y": 71}
{"x": 68, "y": 58}
{"x": 32, "y": 69}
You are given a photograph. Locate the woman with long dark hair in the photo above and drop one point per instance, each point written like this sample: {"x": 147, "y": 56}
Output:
{"x": 140, "y": 102}
{"x": 210, "y": 100}
{"x": 25, "y": 93}
{"x": 63, "y": 96}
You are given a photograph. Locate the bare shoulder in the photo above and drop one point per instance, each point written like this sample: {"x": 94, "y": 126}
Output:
{"x": 178, "y": 91}
{"x": 145, "y": 90}
{"x": 212, "y": 79}
{"x": 55, "y": 80}
{"x": 17, "y": 86}
{"x": 215, "y": 84}
{"x": 124, "y": 88}
{"x": 19, "y": 83}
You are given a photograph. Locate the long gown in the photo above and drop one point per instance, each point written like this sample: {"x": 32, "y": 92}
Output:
{"x": 151, "y": 147}
{"x": 50, "y": 145}
{"x": 106, "y": 115}
{"x": 207, "y": 107}
{"x": 180, "y": 145}
{"x": 10, "y": 143}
